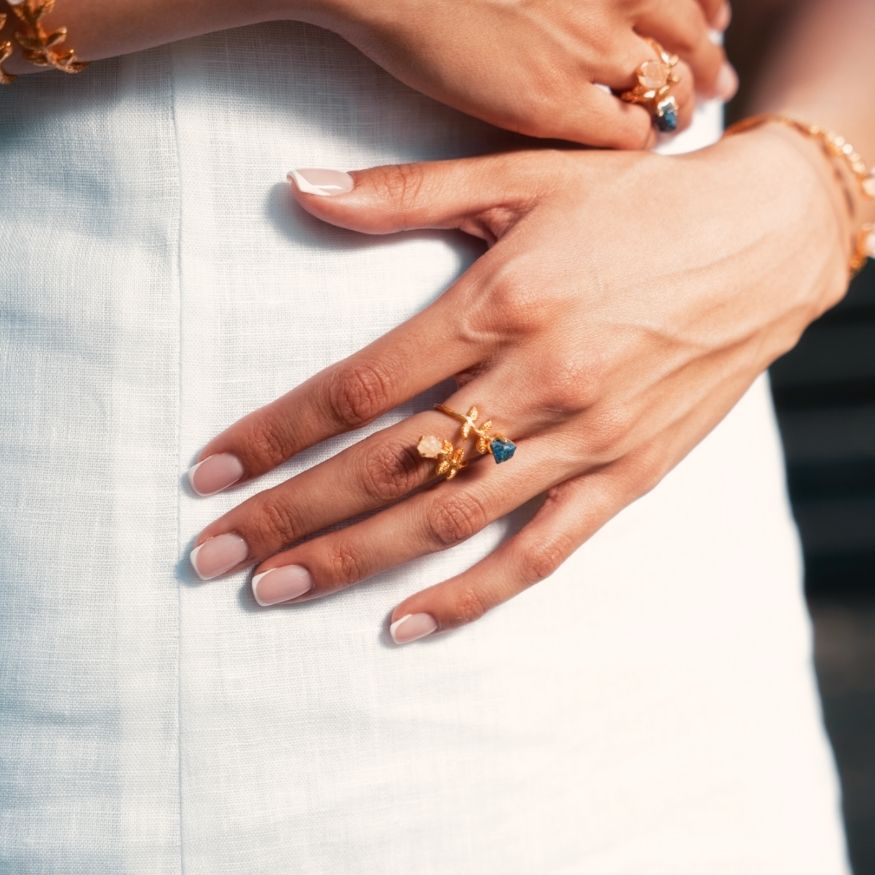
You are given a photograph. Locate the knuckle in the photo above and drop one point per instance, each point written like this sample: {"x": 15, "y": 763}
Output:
{"x": 571, "y": 387}
{"x": 607, "y": 431}
{"x": 346, "y": 565}
{"x": 541, "y": 560}
{"x": 400, "y": 185}
{"x": 513, "y": 303}
{"x": 279, "y": 521}
{"x": 357, "y": 394}
{"x": 267, "y": 444}
{"x": 390, "y": 470}
{"x": 470, "y": 605}
{"x": 455, "y": 519}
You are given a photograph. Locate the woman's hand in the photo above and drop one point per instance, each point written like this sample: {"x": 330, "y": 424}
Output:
{"x": 530, "y": 65}
{"x": 525, "y": 65}
{"x": 626, "y": 302}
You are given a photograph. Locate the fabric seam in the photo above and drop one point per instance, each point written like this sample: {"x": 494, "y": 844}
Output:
{"x": 178, "y": 272}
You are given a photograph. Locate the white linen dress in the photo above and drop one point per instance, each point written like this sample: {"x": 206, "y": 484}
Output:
{"x": 650, "y": 708}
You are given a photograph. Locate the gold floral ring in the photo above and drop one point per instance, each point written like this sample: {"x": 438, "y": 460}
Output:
{"x": 656, "y": 77}
{"x": 449, "y": 459}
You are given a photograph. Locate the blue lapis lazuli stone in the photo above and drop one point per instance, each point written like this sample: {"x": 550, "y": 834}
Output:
{"x": 502, "y": 450}
{"x": 668, "y": 119}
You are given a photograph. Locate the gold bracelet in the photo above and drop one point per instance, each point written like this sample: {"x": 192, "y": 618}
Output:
{"x": 39, "y": 46}
{"x": 835, "y": 146}
{"x": 5, "y": 52}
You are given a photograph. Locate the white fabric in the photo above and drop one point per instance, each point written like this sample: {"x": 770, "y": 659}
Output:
{"x": 649, "y": 708}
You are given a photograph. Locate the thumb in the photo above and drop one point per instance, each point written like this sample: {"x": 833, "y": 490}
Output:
{"x": 474, "y": 194}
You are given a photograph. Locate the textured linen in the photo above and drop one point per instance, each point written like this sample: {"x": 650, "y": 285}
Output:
{"x": 649, "y": 708}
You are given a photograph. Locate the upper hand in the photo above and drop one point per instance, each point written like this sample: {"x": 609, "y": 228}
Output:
{"x": 626, "y": 302}
{"x": 530, "y": 65}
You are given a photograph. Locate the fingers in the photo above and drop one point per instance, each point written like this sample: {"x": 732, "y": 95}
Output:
{"x": 375, "y": 472}
{"x": 465, "y": 193}
{"x": 602, "y": 120}
{"x": 718, "y": 13}
{"x": 630, "y": 51}
{"x": 572, "y": 513}
{"x": 681, "y": 27}
{"x": 473, "y": 194}
{"x": 408, "y": 360}
{"x": 427, "y": 522}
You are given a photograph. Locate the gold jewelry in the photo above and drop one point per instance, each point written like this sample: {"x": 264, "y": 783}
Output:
{"x": 835, "y": 146}
{"x": 5, "y": 52}
{"x": 449, "y": 460}
{"x": 653, "y": 90}
{"x": 39, "y": 46}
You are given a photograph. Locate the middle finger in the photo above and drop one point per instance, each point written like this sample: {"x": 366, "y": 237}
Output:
{"x": 377, "y": 471}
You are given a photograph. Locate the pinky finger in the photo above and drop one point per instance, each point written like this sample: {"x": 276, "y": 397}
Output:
{"x": 571, "y": 514}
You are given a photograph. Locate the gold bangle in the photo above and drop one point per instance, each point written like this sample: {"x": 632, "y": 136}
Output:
{"x": 39, "y": 46}
{"x": 835, "y": 146}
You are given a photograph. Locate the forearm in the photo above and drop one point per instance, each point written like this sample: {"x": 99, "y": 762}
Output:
{"x": 106, "y": 28}
{"x": 823, "y": 72}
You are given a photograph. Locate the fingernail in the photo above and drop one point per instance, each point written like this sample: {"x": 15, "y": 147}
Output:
{"x": 727, "y": 82}
{"x": 412, "y": 626}
{"x": 322, "y": 182}
{"x": 216, "y": 555}
{"x": 215, "y": 473}
{"x": 281, "y": 584}
{"x": 724, "y": 16}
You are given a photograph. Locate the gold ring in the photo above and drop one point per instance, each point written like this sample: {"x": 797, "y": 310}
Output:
{"x": 449, "y": 459}
{"x": 653, "y": 90}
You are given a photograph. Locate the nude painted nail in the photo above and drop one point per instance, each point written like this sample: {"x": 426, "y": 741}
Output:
{"x": 312, "y": 180}
{"x": 217, "y": 555}
{"x": 281, "y": 584}
{"x": 215, "y": 473}
{"x": 412, "y": 626}
{"x": 727, "y": 82}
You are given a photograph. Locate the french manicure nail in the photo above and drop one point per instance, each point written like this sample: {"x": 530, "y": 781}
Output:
{"x": 215, "y": 473}
{"x": 311, "y": 180}
{"x": 412, "y": 626}
{"x": 281, "y": 584}
{"x": 724, "y": 16}
{"x": 727, "y": 82}
{"x": 216, "y": 555}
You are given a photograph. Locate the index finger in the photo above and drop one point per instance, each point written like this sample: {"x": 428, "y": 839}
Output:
{"x": 408, "y": 360}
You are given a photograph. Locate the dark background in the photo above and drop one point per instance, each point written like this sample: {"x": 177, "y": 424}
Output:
{"x": 824, "y": 391}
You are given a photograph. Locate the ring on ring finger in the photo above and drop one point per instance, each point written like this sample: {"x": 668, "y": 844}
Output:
{"x": 655, "y": 78}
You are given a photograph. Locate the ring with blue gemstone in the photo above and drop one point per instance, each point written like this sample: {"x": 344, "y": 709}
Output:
{"x": 449, "y": 459}
{"x": 655, "y": 78}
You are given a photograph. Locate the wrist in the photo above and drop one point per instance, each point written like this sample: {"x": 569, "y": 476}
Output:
{"x": 805, "y": 198}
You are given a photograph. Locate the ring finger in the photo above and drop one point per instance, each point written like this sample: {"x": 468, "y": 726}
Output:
{"x": 620, "y": 76}
{"x": 684, "y": 31}
{"x": 377, "y": 471}
{"x": 428, "y": 522}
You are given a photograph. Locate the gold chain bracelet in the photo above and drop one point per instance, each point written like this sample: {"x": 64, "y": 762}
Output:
{"x": 835, "y": 146}
{"x": 40, "y": 46}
